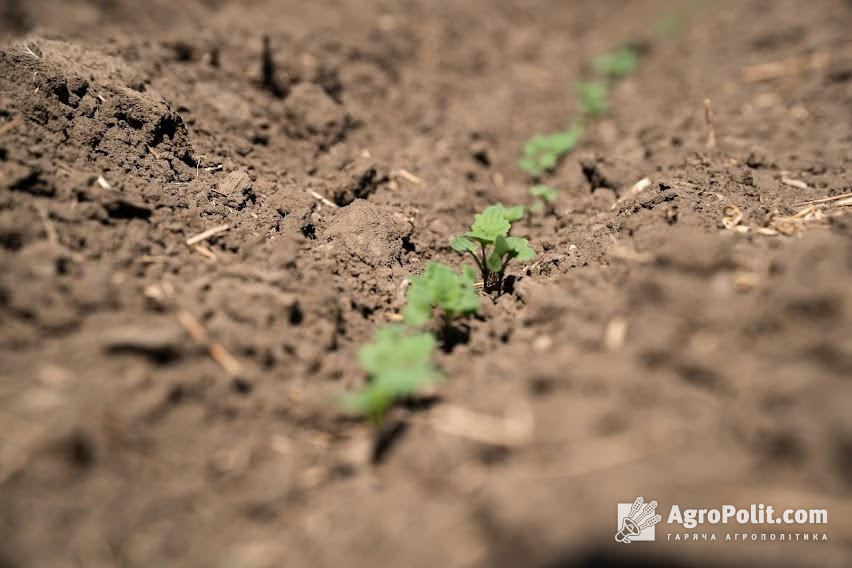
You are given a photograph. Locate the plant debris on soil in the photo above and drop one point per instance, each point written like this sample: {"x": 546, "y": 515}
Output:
{"x": 208, "y": 208}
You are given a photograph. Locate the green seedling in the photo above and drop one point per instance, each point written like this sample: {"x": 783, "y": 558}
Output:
{"x": 439, "y": 286}
{"x": 398, "y": 363}
{"x": 543, "y": 152}
{"x": 593, "y": 98}
{"x": 544, "y": 196}
{"x": 617, "y": 63}
{"x": 490, "y": 245}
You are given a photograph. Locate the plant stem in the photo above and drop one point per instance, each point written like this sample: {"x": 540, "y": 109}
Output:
{"x": 484, "y": 266}
{"x": 478, "y": 262}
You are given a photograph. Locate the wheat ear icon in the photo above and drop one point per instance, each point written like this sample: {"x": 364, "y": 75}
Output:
{"x": 650, "y": 522}
{"x": 633, "y": 523}
{"x": 636, "y": 505}
{"x": 646, "y": 510}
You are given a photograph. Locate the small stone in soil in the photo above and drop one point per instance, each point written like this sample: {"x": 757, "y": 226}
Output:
{"x": 237, "y": 188}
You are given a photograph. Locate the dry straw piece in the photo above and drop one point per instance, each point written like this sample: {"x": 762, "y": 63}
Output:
{"x": 710, "y": 123}
{"x": 815, "y": 213}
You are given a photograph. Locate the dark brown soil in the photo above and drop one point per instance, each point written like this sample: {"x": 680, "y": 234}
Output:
{"x": 653, "y": 351}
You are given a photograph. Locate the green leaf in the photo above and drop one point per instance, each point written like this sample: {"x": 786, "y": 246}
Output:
{"x": 617, "y": 63}
{"x": 507, "y": 248}
{"x": 548, "y": 161}
{"x": 418, "y": 308}
{"x": 494, "y": 262}
{"x": 468, "y": 274}
{"x": 514, "y": 213}
{"x": 439, "y": 286}
{"x": 593, "y": 97}
{"x": 562, "y": 142}
{"x": 544, "y": 192}
{"x": 529, "y": 166}
{"x": 495, "y": 259}
{"x": 416, "y": 314}
{"x": 542, "y": 153}
{"x": 444, "y": 284}
{"x": 395, "y": 351}
{"x": 398, "y": 363}
{"x": 489, "y": 225}
{"x": 400, "y": 383}
{"x": 468, "y": 302}
{"x": 369, "y": 401}
{"x": 519, "y": 248}
{"x": 462, "y": 244}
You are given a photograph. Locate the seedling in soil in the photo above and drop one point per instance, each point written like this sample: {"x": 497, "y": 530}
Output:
{"x": 616, "y": 64}
{"x": 593, "y": 98}
{"x": 544, "y": 196}
{"x": 490, "y": 245}
{"x": 439, "y": 286}
{"x": 398, "y": 363}
{"x": 543, "y": 152}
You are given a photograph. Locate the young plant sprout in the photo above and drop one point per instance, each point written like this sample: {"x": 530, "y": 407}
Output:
{"x": 439, "y": 286}
{"x": 398, "y": 363}
{"x": 544, "y": 196}
{"x": 490, "y": 245}
{"x": 617, "y": 63}
{"x": 543, "y": 152}
{"x": 593, "y": 98}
